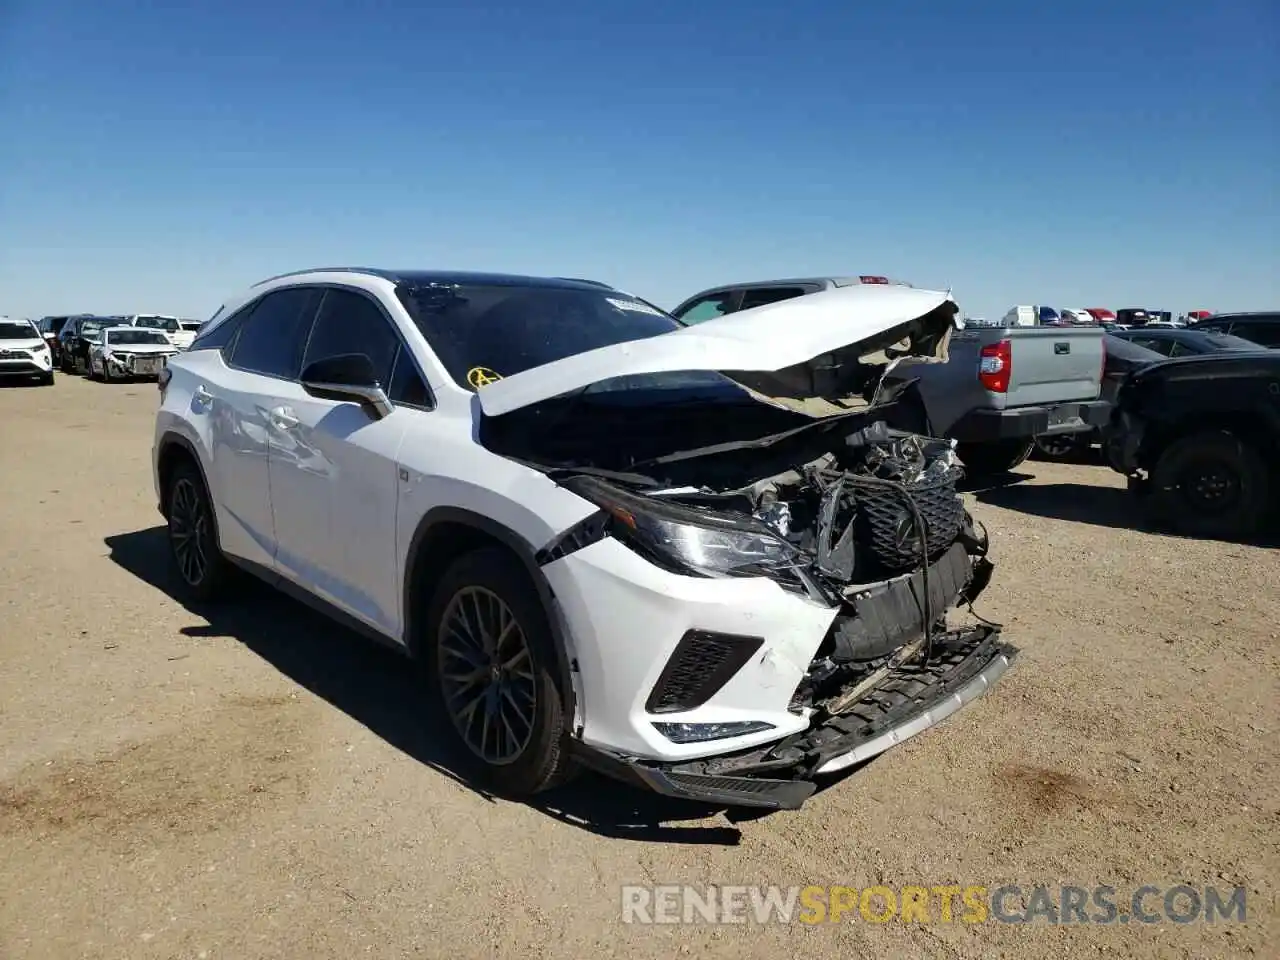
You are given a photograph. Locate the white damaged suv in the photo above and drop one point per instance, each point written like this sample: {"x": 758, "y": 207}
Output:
{"x": 609, "y": 539}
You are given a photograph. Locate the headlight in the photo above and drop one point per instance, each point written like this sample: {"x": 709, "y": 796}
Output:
{"x": 689, "y": 540}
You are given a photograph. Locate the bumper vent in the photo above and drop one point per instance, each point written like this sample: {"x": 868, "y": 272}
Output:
{"x": 887, "y": 523}
{"x": 700, "y": 665}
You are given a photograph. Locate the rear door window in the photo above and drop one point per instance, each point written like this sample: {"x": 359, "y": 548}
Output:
{"x": 708, "y": 308}
{"x": 761, "y": 296}
{"x": 273, "y": 335}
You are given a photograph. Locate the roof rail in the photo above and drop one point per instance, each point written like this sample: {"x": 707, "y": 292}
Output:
{"x": 594, "y": 283}
{"x": 367, "y": 271}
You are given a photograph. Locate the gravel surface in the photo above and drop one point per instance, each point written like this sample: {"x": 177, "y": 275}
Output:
{"x": 263, "y": 784}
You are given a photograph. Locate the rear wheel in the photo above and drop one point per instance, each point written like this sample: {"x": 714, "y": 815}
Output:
{"x": 193, "y": 539}
{"x": 1060, "y": 446}
{"x": 490, "y": 657}
{"x": 1210, "y": 484}
{"x": 998, "y": 456}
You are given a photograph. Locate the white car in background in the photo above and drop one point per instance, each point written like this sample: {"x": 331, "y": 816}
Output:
{"x": 1077, "y": 315}
{"x": 125, "y": 352}
{"x": 599, "y": 547}
{"x": 179, "y": 331}
{"x": 24, "y": 352}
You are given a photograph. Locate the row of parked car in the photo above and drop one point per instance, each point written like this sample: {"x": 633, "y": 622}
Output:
{"x": 103, "y": 347}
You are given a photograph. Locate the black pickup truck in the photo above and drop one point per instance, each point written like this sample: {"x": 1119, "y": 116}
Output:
{"x": 1199, "y": 439}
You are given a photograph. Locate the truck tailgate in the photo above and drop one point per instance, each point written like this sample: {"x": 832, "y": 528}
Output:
{"x": 1052, "y": 365}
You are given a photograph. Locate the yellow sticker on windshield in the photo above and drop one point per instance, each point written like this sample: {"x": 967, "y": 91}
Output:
{"x": 482, "y": 376}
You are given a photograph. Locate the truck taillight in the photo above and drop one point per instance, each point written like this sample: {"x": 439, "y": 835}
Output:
{"x": 996, "y": 366}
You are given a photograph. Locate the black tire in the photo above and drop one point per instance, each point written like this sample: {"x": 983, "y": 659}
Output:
{"x": 997, "y": 456}
{"x": 106, "y": 371}
{"x": 64, "y": 364}
{"x": 1210, "y": 484}
{"x": 1060, "y": 447}
{"x": 192, "y": 523}
{"x": 542, "y": 760}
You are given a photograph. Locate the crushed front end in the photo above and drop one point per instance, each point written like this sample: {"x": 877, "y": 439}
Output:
{"x": 861, "y": 558}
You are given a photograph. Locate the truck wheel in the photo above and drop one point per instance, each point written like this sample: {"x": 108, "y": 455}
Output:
{"x": 488, "y": 654}
{"x": 998, "y": 456}
{"x": 1059, "y": 446}
{"x": 1210, "y": 484}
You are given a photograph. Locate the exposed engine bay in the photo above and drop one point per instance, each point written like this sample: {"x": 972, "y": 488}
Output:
{"x": 879, "y": 530}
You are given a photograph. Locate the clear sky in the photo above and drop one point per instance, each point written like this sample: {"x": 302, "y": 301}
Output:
{"x": 158, "y": 157}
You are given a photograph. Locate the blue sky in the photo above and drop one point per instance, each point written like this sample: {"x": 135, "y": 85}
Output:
{"x": 161, "y": 156}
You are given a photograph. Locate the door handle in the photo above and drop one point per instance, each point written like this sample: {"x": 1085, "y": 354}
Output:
{"x": 283, "y": 418}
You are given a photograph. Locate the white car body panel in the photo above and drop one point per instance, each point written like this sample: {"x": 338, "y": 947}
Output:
{"x": 767, "y": 338}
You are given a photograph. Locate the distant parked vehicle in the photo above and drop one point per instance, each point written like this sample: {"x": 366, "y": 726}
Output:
{"x": 1262, "y": 328}
{"x": 24, "y": 352}
{"x": 125, "y": 352}
{"x": 1078, "y": 315}
{"x": 1102, "y": 314}
{"x": 1182, "y": 341}
{"x": 1049, "y": 317}
{"x": 1134, "y": 316}
{"x": 75, "y": 339}
{"x": 1199, "y": 439}
{"x": 1024, "y": 315}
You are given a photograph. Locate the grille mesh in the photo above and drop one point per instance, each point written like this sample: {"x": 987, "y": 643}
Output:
{"x": 887, "y": 526}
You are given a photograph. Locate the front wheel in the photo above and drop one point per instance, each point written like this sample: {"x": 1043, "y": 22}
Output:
{"x": 107, "y": 376}
{"x": 1210, "y": 484}
{"x": 490, "y": 658}
{"x": 998, "y": 456}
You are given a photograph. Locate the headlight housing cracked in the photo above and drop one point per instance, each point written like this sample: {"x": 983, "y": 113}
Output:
{"x": 691, "y": 541}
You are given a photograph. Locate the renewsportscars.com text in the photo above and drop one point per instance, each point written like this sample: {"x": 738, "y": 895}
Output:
{"x": 947, "y": 903}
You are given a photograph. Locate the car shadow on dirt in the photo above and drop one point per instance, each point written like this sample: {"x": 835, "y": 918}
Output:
{"x": 374, "y": 686}
{"x": 1100, "y": 506}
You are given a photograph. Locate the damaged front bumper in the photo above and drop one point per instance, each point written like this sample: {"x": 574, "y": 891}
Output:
{"x": 908, "y": 699}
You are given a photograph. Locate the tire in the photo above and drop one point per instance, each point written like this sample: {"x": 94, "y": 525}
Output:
{"x": 192, "y": 522}
{"x": 1210, "y": 484}
{"x": 1060, "y": 447}
{"x": 998, "y": 456}
{"x": 106, "y": 371}
{"x": 64, "y": 364}
{"x": 46, "y": 379}
{"x": 524, "y": 750}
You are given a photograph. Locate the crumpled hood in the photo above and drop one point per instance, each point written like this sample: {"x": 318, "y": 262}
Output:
{"x": 764, "y": 339}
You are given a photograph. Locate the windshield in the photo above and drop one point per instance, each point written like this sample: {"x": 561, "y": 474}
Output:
{"x": 1225, "y": 341}
{"x": 156, "y": 323}
{"x": 191, "y": 325}
{"x": 136, "y": 336}
{"x": 484, "y": 333}
{"x": 16, "y": 330}
{"x": 92, "y": 328}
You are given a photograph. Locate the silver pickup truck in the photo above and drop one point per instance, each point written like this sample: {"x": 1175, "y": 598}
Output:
{"x": 1000, "y": 389}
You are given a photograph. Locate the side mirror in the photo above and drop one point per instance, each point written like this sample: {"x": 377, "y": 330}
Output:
{"x": 348, "y": 376}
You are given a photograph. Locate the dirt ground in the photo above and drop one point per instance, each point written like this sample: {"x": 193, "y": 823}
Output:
{"x": 263, "y": 785}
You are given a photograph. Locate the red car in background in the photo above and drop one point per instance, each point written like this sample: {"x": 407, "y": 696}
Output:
{"x": 1101, "y": 314}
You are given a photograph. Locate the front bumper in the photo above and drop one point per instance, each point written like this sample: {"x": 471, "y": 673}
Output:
{"x": 26, "y": 364}
{"x": 910, "y": 699}
{"x": 983, "y": 426}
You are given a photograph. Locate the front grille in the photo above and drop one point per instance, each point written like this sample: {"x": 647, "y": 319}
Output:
{"x": 700, "y": 665}
{"x": 887, "y": 526}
